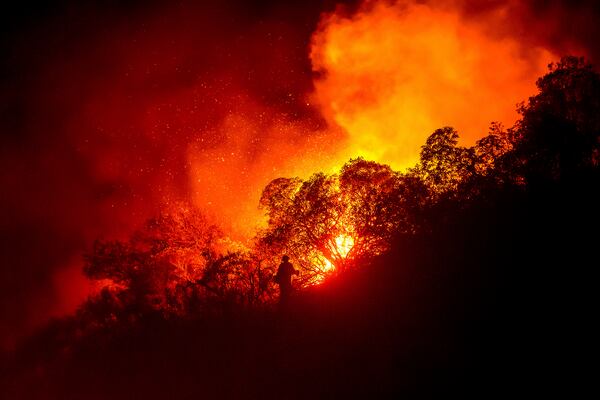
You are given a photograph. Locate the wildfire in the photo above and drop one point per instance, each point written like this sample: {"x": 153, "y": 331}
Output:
{"x": 343, "y": 244}
{"x": 392, "y": 75}
{"x": 394, "y": 72}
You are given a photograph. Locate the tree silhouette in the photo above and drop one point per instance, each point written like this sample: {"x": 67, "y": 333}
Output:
{"x": 172, "y": 251}
{"x": 559, "y": 130}
{"x": 381, "y": 202}
{"x": 490, "y": 150}
{"x": 305, "y": 218}
{"x": 329, "y": 222}
{"x": 444, "y": 165}
{"x": 477, "y": 240}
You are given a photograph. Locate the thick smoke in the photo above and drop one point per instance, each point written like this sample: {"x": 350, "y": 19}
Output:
{"x": 109, "y": 113}
{"x": 394, "y": 72}
{"x": 112, "y": 113}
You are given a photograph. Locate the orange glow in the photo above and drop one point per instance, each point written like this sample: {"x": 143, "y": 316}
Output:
{"x": 393, "y": 73}
{"x": 344, "y": 244}
{"x": 227, "y": 180}
{"x": 341, "y": 247}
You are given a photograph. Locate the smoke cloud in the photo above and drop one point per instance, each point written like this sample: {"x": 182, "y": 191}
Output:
{"x": 110, "y": 113}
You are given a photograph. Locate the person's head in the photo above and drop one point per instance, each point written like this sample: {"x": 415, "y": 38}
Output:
{"x": 285, "y": 258}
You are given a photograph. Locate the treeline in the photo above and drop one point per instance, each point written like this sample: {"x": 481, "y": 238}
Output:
{"x": 513, "y": 207}
{"x": 180, "y": 265}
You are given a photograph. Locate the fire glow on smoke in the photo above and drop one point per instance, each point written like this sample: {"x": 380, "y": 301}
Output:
{"x": 183, "y": 104}
{"x": 387, "y": 77}
{"x": 393, "y": 73}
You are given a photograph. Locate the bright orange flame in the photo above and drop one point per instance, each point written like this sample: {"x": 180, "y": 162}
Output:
{"x": 393, "y": 73}
{"x": 343, "y": 244}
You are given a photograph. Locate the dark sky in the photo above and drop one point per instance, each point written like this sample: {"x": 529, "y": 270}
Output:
{"x": 92, "y": 142}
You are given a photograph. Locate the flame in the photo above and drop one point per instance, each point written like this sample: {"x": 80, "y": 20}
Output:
{"x": 342, "y": 246}
{"x": 393, "y": 73}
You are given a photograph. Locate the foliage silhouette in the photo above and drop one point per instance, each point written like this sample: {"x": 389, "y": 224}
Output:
{"x": 443, "y": 164}
{"x": 557, "y": 135}
{"x": 329, "y": 222}
{"x": 177, "y": 264}
{"x": 466, "y": 275}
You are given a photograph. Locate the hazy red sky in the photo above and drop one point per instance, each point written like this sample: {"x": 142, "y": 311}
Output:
{"x": 110, "y": 111}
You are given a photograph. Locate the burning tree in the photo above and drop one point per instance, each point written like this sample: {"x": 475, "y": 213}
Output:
{"x": 329, "y": 221}
{"x": 176, "y": 263}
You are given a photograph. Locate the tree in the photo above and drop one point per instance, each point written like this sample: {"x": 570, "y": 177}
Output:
{"x": 305, "y": 219}
{"x": 328, "y": 222}
{"x": 559, "y": 130}
{"x": 494, "y": 164}
{"x": 490, "y": 149}
{"x": 171, "y": 249}
{"x": 381, "y": 202}
{"x": 444, "y": 165}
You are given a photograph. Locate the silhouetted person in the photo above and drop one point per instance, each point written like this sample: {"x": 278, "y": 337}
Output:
{"x": 284, "y": 279}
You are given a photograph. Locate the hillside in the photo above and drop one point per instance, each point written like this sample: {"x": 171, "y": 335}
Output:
{"x": 465, "y": 310}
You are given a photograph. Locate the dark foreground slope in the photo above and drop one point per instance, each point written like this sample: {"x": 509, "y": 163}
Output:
{"x": 495, "y": 302}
